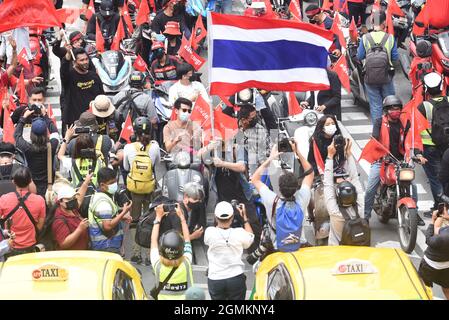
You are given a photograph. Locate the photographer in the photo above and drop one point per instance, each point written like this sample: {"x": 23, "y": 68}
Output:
{"x": 226, "y": 277}
{"x": 36, "y": 152}
{"x": 434, "y": 267}
{"x": 194, "y": 209}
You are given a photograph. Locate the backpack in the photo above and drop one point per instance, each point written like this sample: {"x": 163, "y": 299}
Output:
{"x": 140, "y": 179}
{"x": 288, "y": 229}
{"x": 377, "y": 62}
{"x": 6, "y": 184}
{"x": 46, "y": 236}
{"x": 127, "y": 104}
{"x": 144, "y": 227}
{"x": 440, "y": 123}
{"x": 356, "y": 232}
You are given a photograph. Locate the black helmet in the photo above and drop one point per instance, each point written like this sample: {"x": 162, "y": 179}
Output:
{"x": 391, "y": 101}
{"x": 171, "y": 245}
{"x": 106, "y": 8}
{"x": 136, "y": 79}
{"x": 423, "y": 48}
{"x": 346, "y": 194}
{"x": 142, "y": 125}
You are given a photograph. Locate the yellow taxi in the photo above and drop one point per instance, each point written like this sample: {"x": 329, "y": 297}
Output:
{"x": 70, "y": 275}
{"x": 339, "y": 273}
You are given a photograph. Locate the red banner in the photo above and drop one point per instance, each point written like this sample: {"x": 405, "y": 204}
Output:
{"x": 21, "y": 89}
{"x": 68, "y": 15}
{"x": 27, "y": 13}
{"x": 293, "y": 105}
{"x": 119, "y": 35}
{"x": 186, "y": 52}
{"x": 342, "y": 70}
{"x": 198, "y": 34}
{"x": 226, "y": 125}
{"x": 127, "y": 130}
{"x": 99, "y": 40}
{"x": 127, "y": 18}
{"x": 318, "y": 159}
{"x": 336, "y": 29}
{"x": 22, "y": 58}
{"x": 139, "y": 64}
{"x": 353, "y": 33}
{"x": 201, "y": 113}
{"x": 8, "y": 127}
{"x": 142, "y": 14}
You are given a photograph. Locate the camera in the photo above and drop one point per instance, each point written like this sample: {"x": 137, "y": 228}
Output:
{"x": 339, "y": 142}
{"x": 171, "y": 207}
{"x": 284, "y": 143}
{"x": 122, "y": 197}
{"x": 235, "y": 204}
{"x": 264, "y": 249}
{"x": 37, "y": 109}
{"x": 88, "y": 153}
{"x": 81, "y": 130}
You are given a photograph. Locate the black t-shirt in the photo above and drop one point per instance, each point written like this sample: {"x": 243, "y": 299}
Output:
{"x": 117, "y": 3}
{"x": 166, "y": 71}
{"x": 229, "y": 186}
{"x": 161, "y": 19}
{"x": 172, "y": 51}
{"x": 395, "y": 139}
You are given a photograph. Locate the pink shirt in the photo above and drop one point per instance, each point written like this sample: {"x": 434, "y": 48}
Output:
{"x": 21, "y": 224}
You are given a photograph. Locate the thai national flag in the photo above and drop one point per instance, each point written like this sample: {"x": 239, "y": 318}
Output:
{"x": 278, "y": 55}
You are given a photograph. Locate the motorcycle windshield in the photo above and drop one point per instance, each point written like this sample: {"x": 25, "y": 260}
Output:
{"x": 112, "y": 62}
{"x": 443, "y": 40}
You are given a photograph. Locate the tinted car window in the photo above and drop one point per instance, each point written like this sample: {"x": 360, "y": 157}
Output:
{"x": 123, "y": 288}
{"x": 279, "y": 284}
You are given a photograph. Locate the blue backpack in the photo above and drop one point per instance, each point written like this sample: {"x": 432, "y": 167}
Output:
{"x": 289, "y": 217}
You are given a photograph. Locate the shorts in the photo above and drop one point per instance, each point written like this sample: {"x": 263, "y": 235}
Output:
{"x": 431, "y": 275}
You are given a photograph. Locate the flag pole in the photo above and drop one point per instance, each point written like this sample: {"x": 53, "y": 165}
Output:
{"x": 68, "y": 41}
{"x": 413, "y": 132}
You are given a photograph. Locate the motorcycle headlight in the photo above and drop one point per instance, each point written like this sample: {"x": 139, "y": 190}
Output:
{"x": 245, "y": 95}
{"x": 406, "y": 174}
{"x": 182, "y": 160}
{"x": 311, "y": 119}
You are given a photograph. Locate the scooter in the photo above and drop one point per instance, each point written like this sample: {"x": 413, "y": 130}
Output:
{"x": 394, "y": 199}
{"x": 159, "y": 94}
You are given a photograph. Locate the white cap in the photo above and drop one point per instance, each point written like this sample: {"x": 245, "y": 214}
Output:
{"x": 224, "y": 210}
{"x": 66, "y": 192}
{"x": 432, "y": 80}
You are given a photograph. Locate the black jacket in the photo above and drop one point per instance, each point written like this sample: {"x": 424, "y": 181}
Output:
{"x": 108, "y": 27}
{"x": 437, "y": 245}
{"x": 444, "y": 172}
{"x": 330, "y": 98}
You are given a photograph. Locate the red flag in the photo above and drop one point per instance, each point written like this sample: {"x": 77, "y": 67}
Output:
{"x": 201, "y": 113}
{"x": 395, "y": 9}
{"x": 198, "y": 33}
{"x": 8, "y": 127}
{"x": 127, "y": 18}
{"x": 337, "y": 30}
{"x": 127, "y": 130}
{"x": 22, "y": 58}
{"x": 90, "y": 10}
{"x": 119, "y": 35}
{"x": 50, "y": 114}
{"x": 373, "y": 151}
{"x": 21, "y": 89}
{"x": 12, "y": 105}
{"x": 295, "y": 10}
{"x": 191, "y": 57}
{"x": 353, "y": 33}
{"x": 318, "y": 159}
{"x": 226, "y": 125}
{"x": 226, "y": 101}
{"x": 153, "y": 6}
{"x": 390, "y": 27}
{"x": 140, "y": 64}
{"x": 68, "y": 15}
{"x": 99, "y": 40}
{"x": 326, "y": 5}
{"x": 142, "y": 14}
{"x": 27, "y": 13}
{"x": 342, "y": 70}
{"x": 293, "y": 105}
{"x": 416, "y": 117}
{"x": 269, "y": 12}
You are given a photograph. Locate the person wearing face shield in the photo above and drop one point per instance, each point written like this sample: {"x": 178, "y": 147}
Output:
{"x": 82, "y": 85}
{"x": 186, "y": 87}
{"x": 163, "y": 66}
{"x": 107, "y": 20}
{"x": 392, "y": 130}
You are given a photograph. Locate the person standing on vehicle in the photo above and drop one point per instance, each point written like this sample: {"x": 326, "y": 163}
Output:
{"x": 392, "y": 131}
{"x": 432, "y": 152}
{"x": 347, "y": 192}
{"x": 24, "y": 211}
{"x": 108, "y": 123}
{"x": 105, "y": 220}
{"x": 171, "y": 258}
{"x": 434, "y": 267}
{"x": 164, "y": 66}
{"x": 139, "y": 160}
{"x": 81, "y": 84}
{"x": 226, "y": 278}
{"x": 186, "y": 87}
{"x": 379, "y": 50}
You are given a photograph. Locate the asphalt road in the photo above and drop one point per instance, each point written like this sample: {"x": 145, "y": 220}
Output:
{"x": 356, "y": 123}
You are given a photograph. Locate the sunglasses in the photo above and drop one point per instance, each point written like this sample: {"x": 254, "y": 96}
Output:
{"x": 187, "y": 110}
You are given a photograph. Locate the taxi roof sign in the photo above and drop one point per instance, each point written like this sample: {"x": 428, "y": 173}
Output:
{"x": 49, "y": 272}
{"x": 353, "y": 266}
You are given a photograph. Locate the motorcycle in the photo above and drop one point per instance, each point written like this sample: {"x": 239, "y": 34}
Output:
{"x": 356, "y": 79}
{"x": 394, "y": 199}
{"x": 39, "y": 46}
{"x": 159, "y": 94}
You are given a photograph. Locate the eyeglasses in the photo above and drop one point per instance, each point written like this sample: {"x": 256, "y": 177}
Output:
{"x": 187, "y": 110}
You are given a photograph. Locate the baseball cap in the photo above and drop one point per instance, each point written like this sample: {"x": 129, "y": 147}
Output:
{"x": 195, "y": 293}
{"x": 87, "y": 119}
{"x": 66, "y": 192}
{"x": 224, "y": 210}
{"x": 39, "y": 127}
{"x": 432, "y": 80}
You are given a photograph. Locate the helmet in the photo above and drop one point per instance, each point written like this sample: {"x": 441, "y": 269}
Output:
{"x": 136, "y": 79}
{"x": 423, "y": 48}
{"x": 142, "y": 125}
{"x": 346, "y": 194}
{"x": 106, "y": 8}
{"x": 171, "y": 245}
{"x": 432, "y": 80}
{"x": 391, "y": 101}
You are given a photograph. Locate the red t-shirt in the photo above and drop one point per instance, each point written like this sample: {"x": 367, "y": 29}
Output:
{"x": 21, "y": 224}
{"x": 64, "y": 225}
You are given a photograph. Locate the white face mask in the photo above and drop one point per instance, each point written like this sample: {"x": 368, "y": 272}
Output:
{"x": 330, "y": 129}
{"x": 112, "y": 188}
{"x": 184, "y": 116}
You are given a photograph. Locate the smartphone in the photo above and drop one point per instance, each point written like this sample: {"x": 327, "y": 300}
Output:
{"x": 170, "y": 207}
{"x": 440, "y": 209}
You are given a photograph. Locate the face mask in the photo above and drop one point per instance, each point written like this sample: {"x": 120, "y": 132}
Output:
{"x": 330, "y": 130}
{"x": 194, "y": 205}
{"x": 112, "y": 188}
{"x": 184, "y": 116}
{"x": 252, "y": 123}
{"x": 177, "y": 8}
{"x": 192, "y": 78}
{"x": 72, "y": 204}
{"x": 394, "y": 114}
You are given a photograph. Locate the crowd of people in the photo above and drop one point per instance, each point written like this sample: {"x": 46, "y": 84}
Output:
{"x": 86, "y": 186}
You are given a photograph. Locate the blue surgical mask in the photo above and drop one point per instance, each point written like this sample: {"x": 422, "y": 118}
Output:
{"x": 184, "y": 116}
{"x": 112, "y": 188}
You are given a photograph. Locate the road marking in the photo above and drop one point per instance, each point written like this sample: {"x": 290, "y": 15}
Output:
{"x": 354, "y": 116}
{"x": 425, "y": 205}
{"x": 358, "y": 129}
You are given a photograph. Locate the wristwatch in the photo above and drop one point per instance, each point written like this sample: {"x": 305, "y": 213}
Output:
{"x": 64, "y": 140}
{"x": 156, "y": 222}
{"x": 246, "y": 221}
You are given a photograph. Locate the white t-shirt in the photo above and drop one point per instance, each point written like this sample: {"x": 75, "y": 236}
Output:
{"x": 129, "y": 153}
{"x": 178, "y": 90}
{"x": 225, "y": 259}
